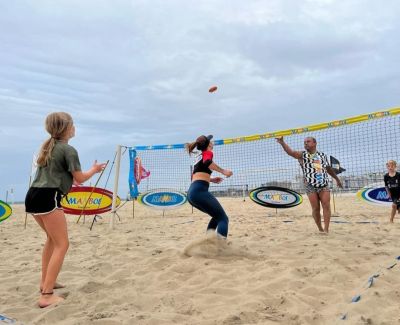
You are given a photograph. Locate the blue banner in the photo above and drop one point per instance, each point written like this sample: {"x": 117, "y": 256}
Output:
{"x": 133, "y": 188}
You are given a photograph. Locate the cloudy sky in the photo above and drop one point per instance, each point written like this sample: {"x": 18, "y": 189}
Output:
{"x": 137, "y": 72}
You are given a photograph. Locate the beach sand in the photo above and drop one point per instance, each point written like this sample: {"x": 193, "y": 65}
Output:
{"x": 275, "y": 268}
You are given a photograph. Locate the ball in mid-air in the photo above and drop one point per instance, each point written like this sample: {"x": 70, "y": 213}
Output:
{"x": 212, "y": 89}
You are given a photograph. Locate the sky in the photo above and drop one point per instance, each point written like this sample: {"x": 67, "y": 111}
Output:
{"x": 138, "y": 72}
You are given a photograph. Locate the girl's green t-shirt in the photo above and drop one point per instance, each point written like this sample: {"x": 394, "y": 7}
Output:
{"x": 58, "y": 172}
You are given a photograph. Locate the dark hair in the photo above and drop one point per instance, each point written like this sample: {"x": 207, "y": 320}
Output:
{"x": 201, "y": 143}
{"x": 312, "y": 138}
{"x": 190, "y": 147}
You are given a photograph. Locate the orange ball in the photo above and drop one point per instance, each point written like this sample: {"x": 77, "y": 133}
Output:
{"x": 212, "y": 89}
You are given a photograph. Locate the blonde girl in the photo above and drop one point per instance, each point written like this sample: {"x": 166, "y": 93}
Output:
{"x": 58, "y": 167}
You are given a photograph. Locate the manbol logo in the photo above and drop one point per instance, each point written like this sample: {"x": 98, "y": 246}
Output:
{"x": 163, "y": 199}
{"x": 275, "y": 197}
{"x": 5, "y": 211}
{"x": 374, "y": 195}
{"x": 94, "y": 200}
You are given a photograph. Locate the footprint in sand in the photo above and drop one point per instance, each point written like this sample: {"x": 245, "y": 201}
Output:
{"x": 212, "y": 246}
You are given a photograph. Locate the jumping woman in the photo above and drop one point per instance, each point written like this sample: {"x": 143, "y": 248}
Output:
{"x": 198, "y": 194}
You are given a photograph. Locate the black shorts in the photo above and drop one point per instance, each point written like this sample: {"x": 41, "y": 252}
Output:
{"x": 42, "y": 200}
{"x": 397, "y": 202}
{"x": 394, "y": 193}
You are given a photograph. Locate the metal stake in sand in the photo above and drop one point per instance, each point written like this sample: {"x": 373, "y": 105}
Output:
{"x": 90, "y": 195}
{"x": 26, "y": 213}
{"x": 333, "y": 200}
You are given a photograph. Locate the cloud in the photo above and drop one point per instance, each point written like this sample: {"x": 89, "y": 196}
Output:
{"x": 138, "y": 72}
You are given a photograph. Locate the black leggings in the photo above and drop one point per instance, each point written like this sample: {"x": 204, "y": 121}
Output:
{"x": 199, "y": 196}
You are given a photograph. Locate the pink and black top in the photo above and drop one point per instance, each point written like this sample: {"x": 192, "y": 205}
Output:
{"x": 203, "y": 162}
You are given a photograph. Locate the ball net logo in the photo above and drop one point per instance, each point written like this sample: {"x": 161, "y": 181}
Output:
{"x": 88, "y": 200}
{"x": 163, "y": 199}
{"x": 376, "y": 195}
{"x": 5, "y": 211}
{"x": 275, "y": 197}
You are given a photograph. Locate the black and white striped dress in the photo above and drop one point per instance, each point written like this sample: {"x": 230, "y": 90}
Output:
{"x": 314, "y": 168}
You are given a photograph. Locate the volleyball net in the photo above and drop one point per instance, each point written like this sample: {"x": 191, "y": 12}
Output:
{"x": 362, "y": 144}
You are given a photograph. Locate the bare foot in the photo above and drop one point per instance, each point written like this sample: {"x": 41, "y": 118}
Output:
{"x": 48, "y": 299}
{"x": 56, "y": 286}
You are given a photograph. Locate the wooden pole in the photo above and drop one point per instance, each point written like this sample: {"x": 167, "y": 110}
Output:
{"x": 133, "y": 208}
{"x": 191, "y": 177}
{"x": 115, "y": 193}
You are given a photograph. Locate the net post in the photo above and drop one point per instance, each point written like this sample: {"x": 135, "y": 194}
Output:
{"x": 191, "y": 176}
{"x": 115, "y": 192}
{"x": 133, "y": 208}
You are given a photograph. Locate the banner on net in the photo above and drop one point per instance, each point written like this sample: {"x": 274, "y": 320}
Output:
{"x": 136, "y": 173}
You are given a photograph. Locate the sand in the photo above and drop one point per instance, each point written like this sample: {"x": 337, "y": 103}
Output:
{"x": 275, "y": 268}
